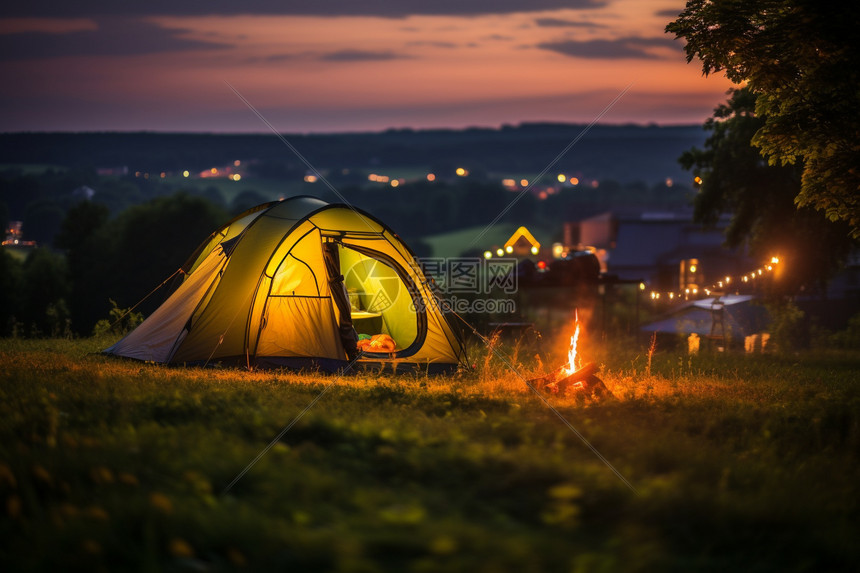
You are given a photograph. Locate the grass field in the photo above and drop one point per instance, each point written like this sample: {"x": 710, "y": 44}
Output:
{"x": 452, "y": 244}
{"x": 738, "y": 463}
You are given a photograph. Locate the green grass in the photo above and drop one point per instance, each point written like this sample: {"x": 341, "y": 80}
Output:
{"x": 744, "y": 463}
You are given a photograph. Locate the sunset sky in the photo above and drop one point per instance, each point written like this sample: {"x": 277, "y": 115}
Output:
{"x": 341, "y": 65}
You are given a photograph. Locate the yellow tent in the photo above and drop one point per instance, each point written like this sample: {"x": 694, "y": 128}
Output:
{"x": 294, "y": 284}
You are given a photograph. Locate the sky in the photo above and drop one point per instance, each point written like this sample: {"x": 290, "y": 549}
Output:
{"x": 344, "y": 66}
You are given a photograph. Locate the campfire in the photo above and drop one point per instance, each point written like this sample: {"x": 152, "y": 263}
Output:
{"x": 574, "y": 376}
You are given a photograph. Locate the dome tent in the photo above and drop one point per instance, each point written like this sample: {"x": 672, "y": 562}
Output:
{"x": 292, "y": 284}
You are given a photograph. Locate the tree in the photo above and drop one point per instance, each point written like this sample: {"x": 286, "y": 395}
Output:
{"x": 86, "y": 261}
{"x": 801, "y": 61}
{"x": 10, "y": 292}
{"x": 735, "y": 178}
{"x": 45, "y": 291}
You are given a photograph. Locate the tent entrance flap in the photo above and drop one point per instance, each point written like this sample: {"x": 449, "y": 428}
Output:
{"x": 348, "y": 336}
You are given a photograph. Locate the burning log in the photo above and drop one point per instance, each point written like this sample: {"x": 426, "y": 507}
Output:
{"x": 582, "y": 381}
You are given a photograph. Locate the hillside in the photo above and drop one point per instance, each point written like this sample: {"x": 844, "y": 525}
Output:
{"x": 624, "y": 153}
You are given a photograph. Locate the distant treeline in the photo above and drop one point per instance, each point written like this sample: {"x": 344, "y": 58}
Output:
{"x": 625, "y": 153}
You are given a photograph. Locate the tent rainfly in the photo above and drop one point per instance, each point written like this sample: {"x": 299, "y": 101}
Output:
{"x": 295, "y": 284}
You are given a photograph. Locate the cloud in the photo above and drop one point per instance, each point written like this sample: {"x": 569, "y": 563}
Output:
{"x": 113, "y": 37}
{"x": 621, "y": 48}
{"x": 271, "y": 59}
{"x": 446, "y": 45}
{"x": 498, "y": 38}
{"x": 359, "y": 56}
{"x": 559, "y": 23}
{"x": 383, "y": 8}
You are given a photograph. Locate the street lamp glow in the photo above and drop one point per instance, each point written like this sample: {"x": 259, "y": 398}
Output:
{"x": 488, "y": 255}
{"x": 509, "y": 249}
{"x": 562, "y": 177}
{"x": 500, "y": 252}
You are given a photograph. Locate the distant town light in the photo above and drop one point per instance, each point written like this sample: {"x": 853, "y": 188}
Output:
{"x": 774, "y": 260}
{"x": 395, "y": 182}
{"x": 574, "y": 181}
{"x": 431, "y": 177}
{"x": 237, "y": 163}
{"x": 524, "y": 182}
{"x": 669, "y": 182}
{"x": 488, "y": 255}
{"x": 509, "y": 249}
{"x": 185, "y": 173}
{"x": 236, "y": 177}
{"x": 461, "y": 172}
{"x": 535, "y": 250}
{"x": 214, "y": 171}
{"x": 310, "y": 178}
{"x": 500, "y": 252}
{"x": 163, "y": 174}
{"x": 697, "y": 180}
{"x": 641, "y": 286}
{"x": 562, "y": 177}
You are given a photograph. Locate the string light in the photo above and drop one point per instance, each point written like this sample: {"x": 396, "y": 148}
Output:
{"x": 717, "y": 287}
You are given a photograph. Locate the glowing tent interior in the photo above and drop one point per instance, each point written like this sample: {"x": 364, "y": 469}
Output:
{"x": 295, "y": 284}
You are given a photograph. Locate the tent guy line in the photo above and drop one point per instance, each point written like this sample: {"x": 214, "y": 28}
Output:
{"x": 296, "y": 152}
{"x": 558, "y": 157}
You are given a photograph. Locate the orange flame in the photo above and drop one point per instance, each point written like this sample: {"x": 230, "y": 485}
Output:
{"x": 574, "y": 362}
